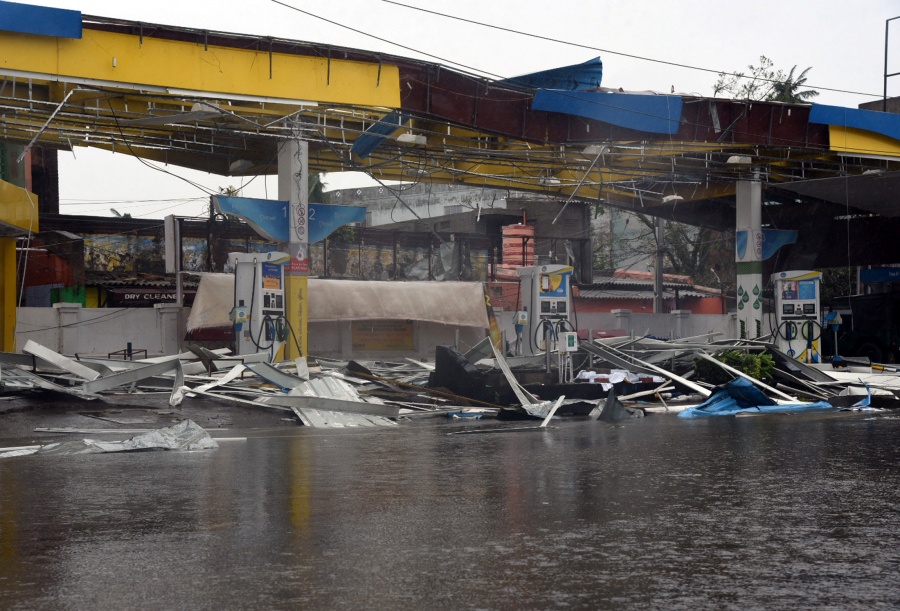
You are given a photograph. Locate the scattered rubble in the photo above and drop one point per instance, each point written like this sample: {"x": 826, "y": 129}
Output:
{"x": 618, "y": 379}
{"x": 186, "y": 436}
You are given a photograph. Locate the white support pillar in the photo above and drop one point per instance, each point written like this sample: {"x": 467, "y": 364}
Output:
{"x": 293, "y": 187}
{"x": 68, "y": 314}
{"x": 623, "y": 319}
{"x": 748, "y": 256}
{"x": 682, "y": 320}
{"x": 169, "y": 321}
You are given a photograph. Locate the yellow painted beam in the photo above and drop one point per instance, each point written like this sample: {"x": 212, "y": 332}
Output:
{"x": 122, "y": 58}
{"x": 8, "y": 294}
{"x": 862, "y": 142}
{"x": 18, "y": 211}
{"x": 18, "y": 208}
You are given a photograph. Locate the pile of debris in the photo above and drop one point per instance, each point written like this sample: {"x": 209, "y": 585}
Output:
{"x": 609, "y": 379}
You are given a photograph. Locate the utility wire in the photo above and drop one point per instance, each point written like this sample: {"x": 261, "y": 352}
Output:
{"x": 378, "y": 38}
{"x": 591, "y": 48}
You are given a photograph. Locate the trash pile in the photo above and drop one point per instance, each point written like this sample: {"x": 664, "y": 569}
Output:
{"x": 609, "y": 379}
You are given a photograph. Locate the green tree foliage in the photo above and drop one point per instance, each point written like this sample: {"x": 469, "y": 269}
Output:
{"x": 698, "y": 252}
{"x": 788, "y": 89}
{"x": 836, "y": 282}
{"x": 756, "y": 365}
{"x": 705, "y": 255}
{"x": 317, "y": 189}
{"x": 764, "y": 82}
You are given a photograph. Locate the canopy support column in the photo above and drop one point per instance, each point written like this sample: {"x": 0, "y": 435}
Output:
{"x": 293, "y": 187}
{"x": 748, "y": 256}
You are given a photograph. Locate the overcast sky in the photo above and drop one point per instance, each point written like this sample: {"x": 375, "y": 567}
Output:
{"x": 842, "y": 41}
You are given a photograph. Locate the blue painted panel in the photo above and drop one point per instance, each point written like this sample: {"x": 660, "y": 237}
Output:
{"x": 573, "y": 78}
{"x": 884, "y": 123}
{"x": 880, "y": 274}
{"x": 325, "y": 218}
{"x": 269, "y": 217}
{"x": 658, "y": 114}
{"x": 773, "y": 239}
{"x": 740, "y": 243}
{"x": 375, "y": 135}
{"x": 42, "y": 20}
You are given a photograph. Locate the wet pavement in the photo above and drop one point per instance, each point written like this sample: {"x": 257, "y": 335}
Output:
{"x": 775, "y": 511}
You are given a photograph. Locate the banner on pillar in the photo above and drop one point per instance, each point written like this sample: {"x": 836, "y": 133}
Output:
{"x": 766, "y": 243}
{"x": 748, "y": 245}
{"x": 298, "y": 216}
{"x": 267, "y": 216}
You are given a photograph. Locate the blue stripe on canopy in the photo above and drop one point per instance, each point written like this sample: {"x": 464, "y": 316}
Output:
{"x": 41, "y": 20}
{"x": 573, "y": 78}
{"x": 884, "y": 123}
{"x": 658, "y": 114}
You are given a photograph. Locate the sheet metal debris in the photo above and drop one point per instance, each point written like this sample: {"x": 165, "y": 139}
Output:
{"x": 186, "y": 436}
{"x": 619, "y": 379}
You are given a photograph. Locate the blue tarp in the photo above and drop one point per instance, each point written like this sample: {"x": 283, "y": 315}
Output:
{"x": 656, "y": 114}
{"x": 741, "y": 395}
{"x": 571, "y": 78}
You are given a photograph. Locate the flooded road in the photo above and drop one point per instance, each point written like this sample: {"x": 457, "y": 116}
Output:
{"x": 780, "y": 511}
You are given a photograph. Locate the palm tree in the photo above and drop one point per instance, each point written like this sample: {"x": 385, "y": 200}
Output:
{"x": 788, "y": 90}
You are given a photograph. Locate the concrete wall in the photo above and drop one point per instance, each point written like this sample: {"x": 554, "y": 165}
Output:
{"x": 677, "y": 324}
{"x": 70, "y": 329}
{"x": 427, "y": 200}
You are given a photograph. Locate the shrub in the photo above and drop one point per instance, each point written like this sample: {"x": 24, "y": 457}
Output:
{"x": 756, "y": 365}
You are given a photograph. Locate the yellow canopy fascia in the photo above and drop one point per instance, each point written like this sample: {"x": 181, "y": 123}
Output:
{"x": 18, "y": 207}
{"x": 113, "y": 59}
{"x": 861, "y": 142}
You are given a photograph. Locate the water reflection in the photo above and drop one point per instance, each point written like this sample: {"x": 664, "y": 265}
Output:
{"x": 769, "y": 511}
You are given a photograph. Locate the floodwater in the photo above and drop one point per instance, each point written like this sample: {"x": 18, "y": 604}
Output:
{"x": 776, "y": 511}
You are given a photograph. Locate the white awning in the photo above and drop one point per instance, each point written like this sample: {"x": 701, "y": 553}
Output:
{"x": 452, "y": 303}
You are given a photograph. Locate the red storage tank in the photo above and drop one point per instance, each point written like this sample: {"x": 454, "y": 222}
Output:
{"x": 518, "y": 245}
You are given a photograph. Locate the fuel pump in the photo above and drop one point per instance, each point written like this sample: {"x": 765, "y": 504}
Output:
{"x": 547, "y": 299}
{"x": 797, "y": 314}
{"x": 258, "y": 314}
